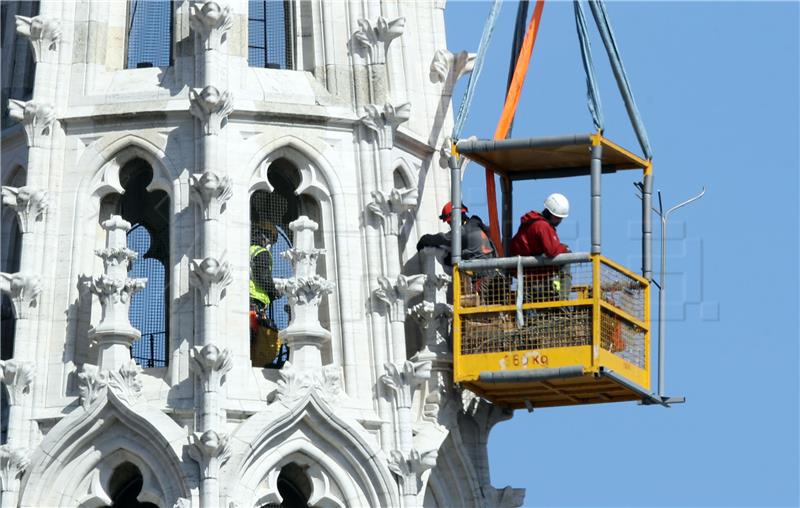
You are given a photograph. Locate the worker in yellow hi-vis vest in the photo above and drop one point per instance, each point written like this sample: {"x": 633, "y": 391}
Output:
{"x": 264, "y": 342}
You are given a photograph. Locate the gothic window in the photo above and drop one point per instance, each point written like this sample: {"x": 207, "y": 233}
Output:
{"x": 270, "y": 34}
{"x": 294, "y": 487}
{"x": 9, "y": 263}
{"x": 148, "y": 212}
{"x": 124, "y": 486}
{"x": 17, "y": 55}
{"x": 149, "y": 34}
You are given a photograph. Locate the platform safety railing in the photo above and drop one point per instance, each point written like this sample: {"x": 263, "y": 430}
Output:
{"x": 538, "y": 303}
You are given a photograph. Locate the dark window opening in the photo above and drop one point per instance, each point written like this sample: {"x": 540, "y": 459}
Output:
{"x": 270, "y": 216}
{"x": 148, "y": 213}
{"x": 18, "y": 82}
{"x": 269, "y": 34}
{"x": 125, "y": 485}
{"x": 149, "y": 34}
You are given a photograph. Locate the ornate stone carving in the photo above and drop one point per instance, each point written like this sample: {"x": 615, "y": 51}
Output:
{"x": 210, "y": 450}
{"x": 447, "y": 67}
{"x": 433, "y": 318}
{"x": 115, "y": 289}
{"x": 211, "y": 22}
{"x": 410, "y": 468}
{"x": 392, "y": 207}
{"x": 13, "y": 463}
{"x": 376, "y": 39}
{"x": 213, "y": 191}
{"x": 306, "y": 289}
{"x": 383, "y": 122}
{"x": 210, "y": 364}
{"x": 91, "y": 383}
{"x": 396, "y": 294}
{"x": 211, "y": 107}
{"x": 126, "y": 382}
{"x": 37, "y": 119}
{"x": 29, "y": 203}
{"x": 23, "y": 289}
{"x": 18, "y": 377}
{"x": 295, "y": 383}
{"x": 43, "y": 33}
{"x": 403, "y": 381}
{"x": 210, "y": 277}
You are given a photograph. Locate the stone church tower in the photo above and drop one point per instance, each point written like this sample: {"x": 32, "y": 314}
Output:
{"x": 143, "y": 142}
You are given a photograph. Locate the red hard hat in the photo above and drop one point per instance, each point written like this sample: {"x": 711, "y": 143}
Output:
{"x": 447, "y": 211}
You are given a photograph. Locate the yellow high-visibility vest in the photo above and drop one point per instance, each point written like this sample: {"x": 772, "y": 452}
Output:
{"x": 256, "y": 293}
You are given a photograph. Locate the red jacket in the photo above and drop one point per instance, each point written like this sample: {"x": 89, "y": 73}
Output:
{"x": 536, "y": 236}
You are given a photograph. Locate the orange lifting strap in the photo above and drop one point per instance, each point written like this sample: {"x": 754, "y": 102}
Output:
{"x": 509, "y": 110}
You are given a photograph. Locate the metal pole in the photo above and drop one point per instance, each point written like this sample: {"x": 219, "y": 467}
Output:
{"x": 662, "y": 294}
{"x": 596, "y": 171}
{"x": 647, "y": 227}
{"x": 455, "y": 199}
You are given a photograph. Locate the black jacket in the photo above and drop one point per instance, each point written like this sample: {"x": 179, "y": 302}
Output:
{"x": 475, "y": 241}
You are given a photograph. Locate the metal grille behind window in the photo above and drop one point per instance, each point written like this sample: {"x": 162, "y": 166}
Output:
{"x": 269, "y": 29}
{"x": 276, "y": 209}
{"x": 149, "y": 33}
{"x": 147, "y": 311}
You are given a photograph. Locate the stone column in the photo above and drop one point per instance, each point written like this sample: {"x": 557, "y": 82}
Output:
{"x": 406, "y": 462}
{"x": 13, "y": 463}
{"x": 375, "y": 39}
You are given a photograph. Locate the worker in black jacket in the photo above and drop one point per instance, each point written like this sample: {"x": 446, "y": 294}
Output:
{"x": 475, "y": 241}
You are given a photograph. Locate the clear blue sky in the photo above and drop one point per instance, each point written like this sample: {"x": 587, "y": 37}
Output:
{"x": 717, "y": 86}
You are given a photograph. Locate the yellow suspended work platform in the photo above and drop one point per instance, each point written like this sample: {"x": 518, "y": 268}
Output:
{"x": 534, "y": 332}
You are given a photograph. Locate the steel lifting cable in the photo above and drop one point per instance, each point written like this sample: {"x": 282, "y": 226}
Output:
{"x": 507, "y": 116}
{"x": 592, "y": 93}
{"x": 486, "y": 37}
{"x": 604, "y": 26}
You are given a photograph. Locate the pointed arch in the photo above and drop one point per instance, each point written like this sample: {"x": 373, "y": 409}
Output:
{"x": 406, "y": 171}
{"x": 345, "y": 467}
{"x": 75, "y": 461}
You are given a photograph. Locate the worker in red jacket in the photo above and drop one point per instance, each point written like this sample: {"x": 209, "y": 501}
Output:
{"x": 536, "y": 236}
{"x": 537, "y": 231}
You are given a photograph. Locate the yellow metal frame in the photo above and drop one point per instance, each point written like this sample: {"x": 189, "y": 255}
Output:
{"x": 593, "y": 358}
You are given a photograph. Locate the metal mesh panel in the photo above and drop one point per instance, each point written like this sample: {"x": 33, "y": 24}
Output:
{"x": 622, "y": 291}
{"x": 544, "y": 327}
{"x": 622, "y": 338}
{"x": 148, "y": 306}
{"x": 269, "y": 34}
{"x": 149, "y": 33}
{"x": 273, "y": 212}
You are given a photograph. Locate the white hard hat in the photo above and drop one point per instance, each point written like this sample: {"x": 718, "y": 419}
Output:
{"x": 557, "y": 204}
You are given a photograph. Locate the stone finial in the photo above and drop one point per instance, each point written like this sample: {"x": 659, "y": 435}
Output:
{"x": 29, "y": 203}
{"x": 126, "y": 382}
{"x": 37, "y": 118}
{"x": 391, "y": 207}
{"x": 211, "y": 22}
{"x": 13, "y": 463}
{"x": 409, "y": 468}
{"x": 211, "y": 107}
{"x": 447, "y": 67}
{"x": 91, "y": 383}
{"x": 383, "y": 122}
{"x": 213, "y": 191}
{"x": 23, "y": 289}
{"x": 296, "y": 382}
{"x": 376, "y": 39}
{"x": 404, "y": 380}
{"x": 114, "y": 332}
{"x": 210, "y": 364}
{"x": 210, "y": 450}
{"x": 18, "y": 377}
{"x": 210, "y": 276}
{"x": 396, "y": 294}
{"x": 304, "y": 292}
{"x": 43, "y": 33}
